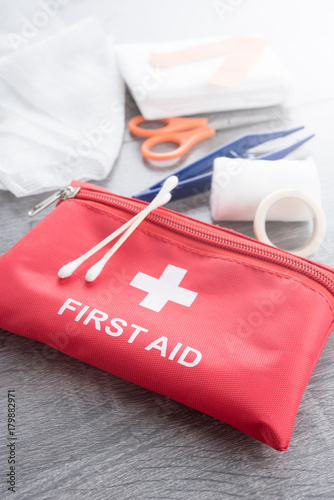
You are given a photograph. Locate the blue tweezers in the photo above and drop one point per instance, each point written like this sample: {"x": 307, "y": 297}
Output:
{"x": 190, "y": 180}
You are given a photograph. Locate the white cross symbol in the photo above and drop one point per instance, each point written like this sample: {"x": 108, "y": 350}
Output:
{"x": 164, "y": 289}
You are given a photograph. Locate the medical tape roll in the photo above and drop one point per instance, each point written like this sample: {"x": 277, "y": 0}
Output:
{"x": 239, "y": 185}
{"x": 318, "y": 217}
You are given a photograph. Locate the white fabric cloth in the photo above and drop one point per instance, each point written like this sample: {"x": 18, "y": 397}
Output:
{"x": 61, "y": 109}
{"x": 185, "y": 89}
{"x": 239, "y": 185}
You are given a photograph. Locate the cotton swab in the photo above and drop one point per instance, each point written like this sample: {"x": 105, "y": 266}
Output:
{"x": 95, "y": 270}
{"x": 161, "y": 199}
{"x": 69, "y": 268}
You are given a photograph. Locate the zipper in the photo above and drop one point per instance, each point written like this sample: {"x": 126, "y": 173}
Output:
{"x": 241, "y": 244}
{"x": 62, "y": 194}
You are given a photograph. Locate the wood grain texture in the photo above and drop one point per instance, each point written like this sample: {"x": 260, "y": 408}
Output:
{"x": 84, "y": 433}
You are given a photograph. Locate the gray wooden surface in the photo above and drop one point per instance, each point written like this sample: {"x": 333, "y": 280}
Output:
{"x": 83, "y": 433}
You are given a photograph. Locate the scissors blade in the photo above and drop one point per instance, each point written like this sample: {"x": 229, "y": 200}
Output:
{"x": 246, "y": 117}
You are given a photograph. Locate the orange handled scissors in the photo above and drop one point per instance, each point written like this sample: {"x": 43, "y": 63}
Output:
{"x": 186, "y": 132}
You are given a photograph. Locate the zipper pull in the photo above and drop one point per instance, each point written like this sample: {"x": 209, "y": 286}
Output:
{"x": 62, "y": 194}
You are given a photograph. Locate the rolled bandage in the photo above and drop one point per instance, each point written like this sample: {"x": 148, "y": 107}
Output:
{"x": 239, "y": 186}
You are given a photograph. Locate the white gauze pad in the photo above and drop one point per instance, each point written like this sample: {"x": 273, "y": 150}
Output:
{"x": 203, "y": 75}
{"x": 239, "y": 185}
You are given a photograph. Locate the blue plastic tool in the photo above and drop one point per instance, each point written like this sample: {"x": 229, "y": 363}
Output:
{"x": 190, "y": 180}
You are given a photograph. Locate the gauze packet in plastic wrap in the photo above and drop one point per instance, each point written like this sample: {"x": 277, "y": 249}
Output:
{"x": 203, "y": 75}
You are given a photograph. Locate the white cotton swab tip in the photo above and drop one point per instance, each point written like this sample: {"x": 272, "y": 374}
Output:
{"x": 69, "y": 268}
{"x": 163, "y": 200}
{"x": 169, "y": 184}
{"x": 95, "y": 270}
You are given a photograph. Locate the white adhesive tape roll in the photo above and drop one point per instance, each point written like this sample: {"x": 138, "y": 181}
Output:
{"x": 318, "y": 216}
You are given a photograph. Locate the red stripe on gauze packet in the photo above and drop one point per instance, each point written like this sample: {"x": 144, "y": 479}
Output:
{"x": 241, "y": 53}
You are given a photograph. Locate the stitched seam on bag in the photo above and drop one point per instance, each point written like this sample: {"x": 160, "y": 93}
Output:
{"x": 329, "y": 331}
{"x": 207, "y": 254}
{"x": 313, "y": 365}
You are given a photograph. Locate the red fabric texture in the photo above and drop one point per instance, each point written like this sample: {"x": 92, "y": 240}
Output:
{"x": 259, "y": 330}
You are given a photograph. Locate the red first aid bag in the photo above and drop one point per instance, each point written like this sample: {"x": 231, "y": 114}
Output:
{"x": 198, "y": 313}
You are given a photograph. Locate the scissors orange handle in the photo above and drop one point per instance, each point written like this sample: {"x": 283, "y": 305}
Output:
{"x": 185, "y": 140}
{"x": 175, "y": 124}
